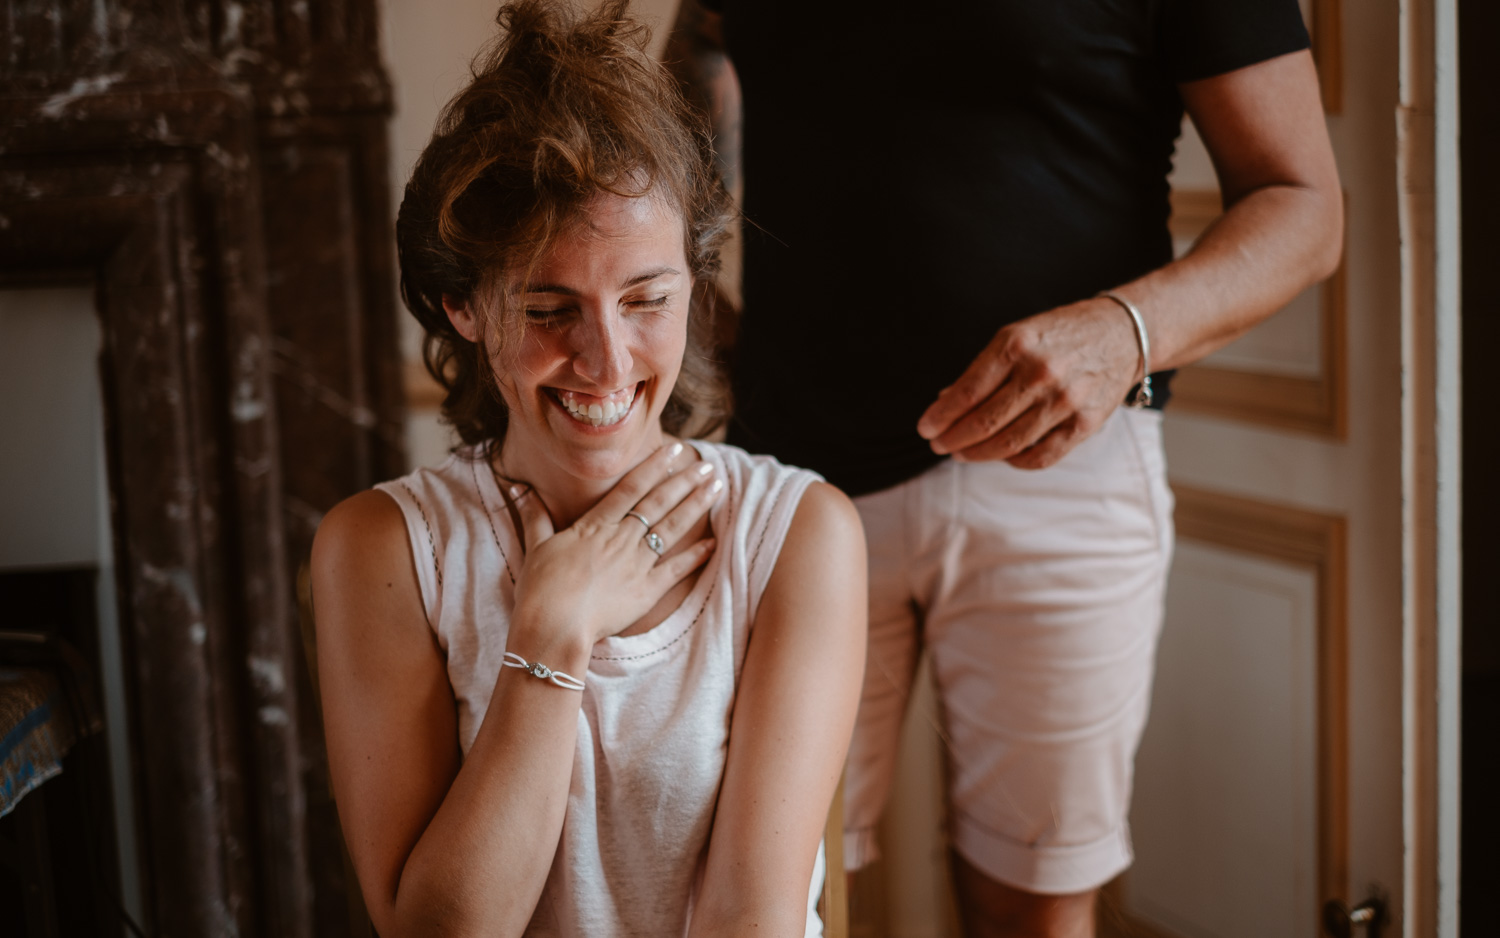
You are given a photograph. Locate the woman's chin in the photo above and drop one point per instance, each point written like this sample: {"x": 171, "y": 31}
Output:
{"x": 592, "y": 456}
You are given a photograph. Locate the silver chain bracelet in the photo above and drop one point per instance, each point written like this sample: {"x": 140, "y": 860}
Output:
{"x": 537, "y": 669}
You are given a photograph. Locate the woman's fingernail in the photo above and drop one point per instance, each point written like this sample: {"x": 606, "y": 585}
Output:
{"x": 515, "y": 491}
{"x": 676, "y": 448}
{"x": 718, "y": 485}
{"x": 705, "y": 468}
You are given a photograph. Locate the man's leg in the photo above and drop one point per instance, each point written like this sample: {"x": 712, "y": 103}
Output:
{"x": 1043, "y": 634}
{"x": 991, "y": 909}
{"x": 890, "y": 665}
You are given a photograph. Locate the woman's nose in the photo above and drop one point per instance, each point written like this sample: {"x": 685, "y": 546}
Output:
{"x": 602, "y": 354}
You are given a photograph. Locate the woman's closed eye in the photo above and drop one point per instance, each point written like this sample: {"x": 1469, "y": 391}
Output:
{"x": 656, "y": 302}
{"x": 545, "y": 316}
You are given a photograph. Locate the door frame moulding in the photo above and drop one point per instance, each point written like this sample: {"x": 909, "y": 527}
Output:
{"x": 1304, "y": 538}
{"x": 1427, "y": 125}
{"x": 1328, "y": 52}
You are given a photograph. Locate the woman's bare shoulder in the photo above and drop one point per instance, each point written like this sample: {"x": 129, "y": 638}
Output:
{"x": 824, "y": 551}
{"x": 362, "y": 568}
{"x": 368, "y": 521}
{"x": 826, "y": 519}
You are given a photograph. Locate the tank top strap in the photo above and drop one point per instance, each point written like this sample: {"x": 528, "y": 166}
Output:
{"x": 766, "y": 494}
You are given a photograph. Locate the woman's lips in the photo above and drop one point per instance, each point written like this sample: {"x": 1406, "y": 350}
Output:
{"x": 595, "y": 410}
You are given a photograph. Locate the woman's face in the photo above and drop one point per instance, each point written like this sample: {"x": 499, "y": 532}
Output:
{"x": 606, "y": 326}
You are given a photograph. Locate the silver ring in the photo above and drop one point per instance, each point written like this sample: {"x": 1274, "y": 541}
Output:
{"x": 639, "y": 517}
{"x": 654, "y": 541}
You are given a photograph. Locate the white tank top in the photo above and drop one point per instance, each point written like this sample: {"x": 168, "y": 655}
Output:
{"x": 653, "y": 731}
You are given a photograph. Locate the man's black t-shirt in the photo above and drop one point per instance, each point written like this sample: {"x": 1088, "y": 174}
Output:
{"x": 918, "y": 175}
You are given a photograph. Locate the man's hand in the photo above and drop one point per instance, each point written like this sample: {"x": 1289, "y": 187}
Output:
{"x": 1042, "y": 386}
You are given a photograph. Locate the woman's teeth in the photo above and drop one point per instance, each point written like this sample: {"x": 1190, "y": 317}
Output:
{"x": 598, "y": 413}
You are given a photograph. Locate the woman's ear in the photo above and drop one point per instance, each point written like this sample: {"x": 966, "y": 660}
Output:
{"x": 461, "y": 316}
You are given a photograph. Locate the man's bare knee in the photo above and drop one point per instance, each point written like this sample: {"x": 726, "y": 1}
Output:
{"x": 991, "y": 909}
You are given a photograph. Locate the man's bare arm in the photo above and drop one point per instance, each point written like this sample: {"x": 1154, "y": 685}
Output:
{"x": 1046, "y": 383}
{"x": 695, "y": 53}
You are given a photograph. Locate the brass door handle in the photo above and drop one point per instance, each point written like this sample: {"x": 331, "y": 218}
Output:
{"x": 1340, "y": 921}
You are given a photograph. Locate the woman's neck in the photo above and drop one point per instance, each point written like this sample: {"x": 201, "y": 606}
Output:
{"x": 567, "y": 496}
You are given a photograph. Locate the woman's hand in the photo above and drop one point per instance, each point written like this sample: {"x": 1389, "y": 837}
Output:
{"x": 599, "y": 575}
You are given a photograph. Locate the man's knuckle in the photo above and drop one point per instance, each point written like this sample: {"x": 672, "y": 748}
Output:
{"x": 1023, "y": 343}
{"x": 1044, "y": 372}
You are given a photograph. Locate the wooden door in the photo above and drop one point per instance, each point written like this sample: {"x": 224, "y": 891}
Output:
{"x": 1293, "y": 758}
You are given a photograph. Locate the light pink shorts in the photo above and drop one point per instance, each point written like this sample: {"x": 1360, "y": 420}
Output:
{"x": 1039, "y": 595}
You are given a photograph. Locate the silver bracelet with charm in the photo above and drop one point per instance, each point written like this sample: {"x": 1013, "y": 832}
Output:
{"x": 539, "y": 670}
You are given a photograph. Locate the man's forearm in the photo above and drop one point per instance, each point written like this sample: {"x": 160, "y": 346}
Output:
{"x": 1268, "y": 247}
{"x": 695, "y": 53}
{"x": 1283, "y": 228}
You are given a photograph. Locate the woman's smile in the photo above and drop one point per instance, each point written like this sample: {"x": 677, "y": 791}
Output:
{"x": 594, "y": 410}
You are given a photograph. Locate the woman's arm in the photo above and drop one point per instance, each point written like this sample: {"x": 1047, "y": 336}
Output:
{"x": 793, "y": 718}
{"x": 450, "y": 850}
{"x": 437, "y": 849}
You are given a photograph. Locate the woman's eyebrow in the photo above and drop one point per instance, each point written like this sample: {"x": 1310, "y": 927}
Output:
{"x": 638, "y": 279}
{"x": 650, "y": 275}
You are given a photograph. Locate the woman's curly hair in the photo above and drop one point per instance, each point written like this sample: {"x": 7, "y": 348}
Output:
{"x": 562, "y": 108}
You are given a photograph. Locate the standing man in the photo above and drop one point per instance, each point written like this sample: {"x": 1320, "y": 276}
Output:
{"x": 957, "y": 275}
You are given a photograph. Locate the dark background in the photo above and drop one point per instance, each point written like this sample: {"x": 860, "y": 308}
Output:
{"x": 1479, "y": 153}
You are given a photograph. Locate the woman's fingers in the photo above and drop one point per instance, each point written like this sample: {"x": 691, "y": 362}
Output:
{"x": 536, "y": 523}
{"x": 672, "y": 490}
{"x": 679, "y": 520}
{"x": 639, "y": 482}
{"x": 672, "y": 570}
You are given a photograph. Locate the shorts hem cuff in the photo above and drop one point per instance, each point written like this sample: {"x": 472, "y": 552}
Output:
{"x": 861, "y": 848}
{"x": 1044, "y": 870}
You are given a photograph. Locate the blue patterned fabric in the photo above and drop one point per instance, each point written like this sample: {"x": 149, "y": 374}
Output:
{"x": 36, "y": 731}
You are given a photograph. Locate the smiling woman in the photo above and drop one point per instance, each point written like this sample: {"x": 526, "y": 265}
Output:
{"x": 606, "y": 324}
{"x": 586, "y": 677}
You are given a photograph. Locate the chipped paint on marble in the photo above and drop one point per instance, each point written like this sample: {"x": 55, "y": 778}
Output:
{"x": 54, "y": 106}
{"x": 269, "y": 677}
{"x": 248, "y": 405}
{"x": 231, "y": 162}
{"x": 176, "y": 580}
{"x": 303, "y": 513}
{"x": 256, "y": 468}
{"x": 234, "y": 18}
{"x": 229, "y": 925}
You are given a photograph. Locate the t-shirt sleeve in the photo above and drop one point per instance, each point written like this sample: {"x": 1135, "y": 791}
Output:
{"x": 1203, "y": 38}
